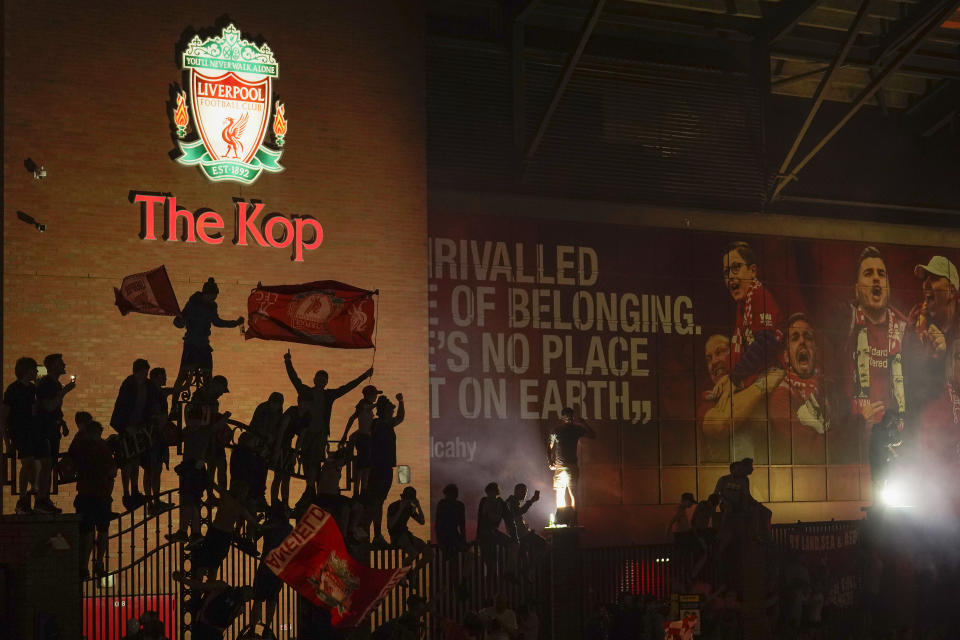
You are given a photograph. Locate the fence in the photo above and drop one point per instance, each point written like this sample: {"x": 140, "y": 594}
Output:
{"x": 140, "y": 561}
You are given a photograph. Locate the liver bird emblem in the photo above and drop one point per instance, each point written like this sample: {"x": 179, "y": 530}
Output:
{"x": 231, "y": 135}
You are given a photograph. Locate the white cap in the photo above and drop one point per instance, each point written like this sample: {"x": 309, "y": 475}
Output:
{"x": 939, "y": 266}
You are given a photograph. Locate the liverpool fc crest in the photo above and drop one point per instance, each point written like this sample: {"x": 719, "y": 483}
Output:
{"x": 230, "y": 98}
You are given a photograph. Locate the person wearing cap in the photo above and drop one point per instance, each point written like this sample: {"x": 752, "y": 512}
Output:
{"x": 198, "y": 315}
{"x": 933, "y": 326}
{"x": 363, "y": 416}
{"x": 313, "y": 441}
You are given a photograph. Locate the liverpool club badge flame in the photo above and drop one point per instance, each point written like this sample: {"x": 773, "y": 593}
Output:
{"x": 279, "y": 123}
{"x": 180, "y": 114}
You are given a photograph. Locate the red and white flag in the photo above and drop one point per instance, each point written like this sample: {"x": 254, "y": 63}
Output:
{"x": 314, "y": 561}
{"x": 148, "y": 292}
{"x": 325, "y": 313}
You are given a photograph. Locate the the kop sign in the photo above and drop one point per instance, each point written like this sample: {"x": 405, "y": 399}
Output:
{"x": 230, "y": 101}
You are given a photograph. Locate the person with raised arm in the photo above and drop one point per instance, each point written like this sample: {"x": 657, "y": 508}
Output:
{"x": 316, "y": 435}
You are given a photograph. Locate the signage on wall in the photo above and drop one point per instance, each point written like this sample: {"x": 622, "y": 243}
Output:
{"x": 229, "y": 104}
{"x": 252, "y": 226}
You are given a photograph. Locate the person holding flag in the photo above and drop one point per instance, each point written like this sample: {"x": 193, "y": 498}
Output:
{"x": 198, "y": 315}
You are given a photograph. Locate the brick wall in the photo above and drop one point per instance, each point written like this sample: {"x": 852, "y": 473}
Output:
{"x": 86, "y": 90}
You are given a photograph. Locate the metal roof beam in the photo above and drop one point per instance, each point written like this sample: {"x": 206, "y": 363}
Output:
{"x": 785, "y": 17}
{"x": 828, "y": 77}
{"x": 928, "y": 25}
{"x": 564, "y": 80}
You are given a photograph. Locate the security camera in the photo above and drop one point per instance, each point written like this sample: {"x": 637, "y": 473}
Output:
{"x": 40, "y": 174}
{"x": 26, "y": 217}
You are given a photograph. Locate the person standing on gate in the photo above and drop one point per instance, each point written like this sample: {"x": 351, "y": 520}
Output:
{"x": 383, "y": 459}
{"x": 136, "y": 400}
{"x": 316, "y": 435}
{"x": 199, "y": 314}
{"x": 19, "y": 430}
{"x": 50, "y": 395}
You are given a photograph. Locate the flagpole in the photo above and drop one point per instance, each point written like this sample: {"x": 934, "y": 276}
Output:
{"x": 376, "y": 326}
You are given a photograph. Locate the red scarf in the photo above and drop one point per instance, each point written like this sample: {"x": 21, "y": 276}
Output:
{"x": 803, "y": 387}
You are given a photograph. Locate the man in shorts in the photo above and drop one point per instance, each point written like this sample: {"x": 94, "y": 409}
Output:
{"x": 19, "y": 429}
{"x": 96, "y": 474}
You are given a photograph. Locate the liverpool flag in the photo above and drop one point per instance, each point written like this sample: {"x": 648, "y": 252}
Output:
{"x": 148, "y": 292}
{"x": 325, "y": 313}
{"x": 314, "y": 561}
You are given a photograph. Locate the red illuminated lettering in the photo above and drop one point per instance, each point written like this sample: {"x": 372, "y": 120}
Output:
{"x": 300, "y": 224}
{"x": 302, "y": 233}
{"x": 213, "y": 220}
{"x": 245, "y": 224}
{"x": 147, "y": 202}
{"x": 170, "y": 216}
{"x": 268, "y": 227}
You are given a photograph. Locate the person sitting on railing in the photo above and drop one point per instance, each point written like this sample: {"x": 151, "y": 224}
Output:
{"x": 133, "y": 409}
{"x": 346, "y": 512}
{"x": 266, "y": 583}
{"x": 210, "y": 551}
{"x": 317, "y": 434}
{"x": 383, "y": 458}
{"x": 202, "y": 421}
{"x": 363, "y": 416}
{"x": 157, "y": 456}
{"x": 19, "y": 430}
{"x": 398, "y": 515}
{"x": 283, "y": 460}
{"x": 220, "y": 605}
{"x": 96, "y": 474}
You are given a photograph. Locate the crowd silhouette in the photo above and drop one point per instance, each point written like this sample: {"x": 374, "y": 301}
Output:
{"x": 225, "y": 465}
